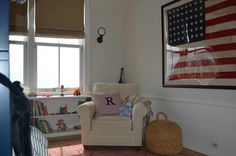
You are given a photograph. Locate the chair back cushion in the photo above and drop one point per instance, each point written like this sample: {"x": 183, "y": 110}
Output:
{"x": 125, "y": 89}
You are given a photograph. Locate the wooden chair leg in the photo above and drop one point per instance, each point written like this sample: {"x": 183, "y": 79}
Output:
{"x": 86, "y": 147}
{"x": 138, "y": 148}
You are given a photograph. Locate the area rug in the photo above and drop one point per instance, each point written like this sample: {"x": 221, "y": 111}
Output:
{"x": 78, "y": 150}
{"x": 73, "y": 147}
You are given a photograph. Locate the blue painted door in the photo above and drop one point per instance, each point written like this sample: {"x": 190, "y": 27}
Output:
{"x": 5, "y": 122}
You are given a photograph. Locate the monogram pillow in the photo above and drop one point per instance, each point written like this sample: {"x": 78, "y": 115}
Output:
{"x": 107, "y": 103}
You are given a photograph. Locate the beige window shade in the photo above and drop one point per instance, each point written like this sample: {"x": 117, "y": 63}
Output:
{"x": 60, "y": 18}
{"x": 18, "y": 18}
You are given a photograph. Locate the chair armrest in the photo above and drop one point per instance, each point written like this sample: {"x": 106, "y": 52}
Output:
{"x": 143, "y": 106}
{"x": 86, "y": 113}
{"x": 139, "y": 111}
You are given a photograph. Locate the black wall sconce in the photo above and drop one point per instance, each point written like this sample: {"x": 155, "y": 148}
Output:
{"x": 101, "y": 33}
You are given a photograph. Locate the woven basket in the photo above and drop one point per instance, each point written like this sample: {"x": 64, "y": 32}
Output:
{"x": 163, "y": 137}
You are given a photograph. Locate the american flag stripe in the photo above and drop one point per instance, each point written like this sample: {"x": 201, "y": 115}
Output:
{"x": 221, "y": 19}
{"x": 206, "y": 81}
{"x": 202, "y": 54}
{"x": 228, "y": 10}
{"x": 222, "y": 68}
{"x": 201, "y": 44}
{"x": 206, "y": 62}
{"x": 220, "y": 59}
{"x": 212, "y": 67}
{"x": 204, "y": 75}
{"x": 212, "y": 48}
{"x": 219, "y": 5}
{"x": 217, "y": 64}
{"x": 221, "y": 27}
{"x": 222, "y": 33}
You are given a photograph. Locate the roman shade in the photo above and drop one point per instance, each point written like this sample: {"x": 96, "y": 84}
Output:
{"x": 18, "y": 18}
{"x": 60, "y": 18}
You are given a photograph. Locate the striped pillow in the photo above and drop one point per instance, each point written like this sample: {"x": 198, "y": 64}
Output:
{"x": 39, "y": 143}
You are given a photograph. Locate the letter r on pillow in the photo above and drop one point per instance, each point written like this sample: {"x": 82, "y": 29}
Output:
{"x": 109, "y": 100}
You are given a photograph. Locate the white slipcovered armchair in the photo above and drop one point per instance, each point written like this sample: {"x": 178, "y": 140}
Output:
{"x": 112, "y": 130}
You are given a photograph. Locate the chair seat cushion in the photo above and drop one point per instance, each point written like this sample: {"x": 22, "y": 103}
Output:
{"x": 112, "y": 122}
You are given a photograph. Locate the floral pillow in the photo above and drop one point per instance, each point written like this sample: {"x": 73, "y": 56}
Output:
{"x": 107, "y": 103}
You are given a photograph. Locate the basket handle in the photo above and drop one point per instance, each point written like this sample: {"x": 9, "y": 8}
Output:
{"x": 161, "y": 113}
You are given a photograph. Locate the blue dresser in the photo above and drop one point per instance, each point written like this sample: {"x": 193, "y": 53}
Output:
{"x": 5, "y": 122}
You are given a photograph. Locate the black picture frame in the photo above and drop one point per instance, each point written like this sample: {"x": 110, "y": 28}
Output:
{"x": 194, "y": 53}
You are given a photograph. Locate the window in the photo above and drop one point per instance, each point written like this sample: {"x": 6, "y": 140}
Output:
{"x": 17, "y": 48}
{"x": 58, "y": 63}
{"x": 44, "y": 64}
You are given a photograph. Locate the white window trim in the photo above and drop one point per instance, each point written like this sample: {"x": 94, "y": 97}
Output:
{"x": 24, "y": 43}
{"x": 87, "y": 86}
{"x": 62, "y": 45}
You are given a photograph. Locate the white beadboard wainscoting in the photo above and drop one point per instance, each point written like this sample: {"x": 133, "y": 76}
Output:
{"x": 209, "y": 128}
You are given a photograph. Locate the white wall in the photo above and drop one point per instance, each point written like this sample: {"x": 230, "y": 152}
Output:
{"x": 107, "y": 57}
{"x": 205, "y": 115}
{"x": 133, "y": 40}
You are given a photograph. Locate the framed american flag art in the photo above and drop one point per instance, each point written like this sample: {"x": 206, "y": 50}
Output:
{"x": 199, "y": 44}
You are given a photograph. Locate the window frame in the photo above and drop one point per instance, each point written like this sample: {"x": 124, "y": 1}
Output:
{"x": 59, "y": 45}
{"x": 33, "y": 76}
{"x": 24, "y": 43}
